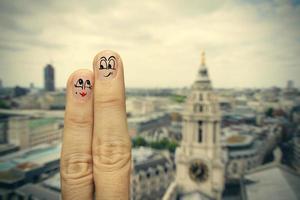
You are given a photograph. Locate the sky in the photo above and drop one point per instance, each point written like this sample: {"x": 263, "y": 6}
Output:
{"x": 247, "y": 43}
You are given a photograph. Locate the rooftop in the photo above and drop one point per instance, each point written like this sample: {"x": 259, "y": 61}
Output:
{"x": 275, "y": 181}
{"x": 38, "y": 155}
{"x": 145, "y": 158}
{"x": 239, "y": 140}
{"x": 37, "y": 192}
{"x": 149, "y": 117}
{"x": 53, "y": 182}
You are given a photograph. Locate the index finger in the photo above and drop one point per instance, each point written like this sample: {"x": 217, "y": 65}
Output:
{"x": 111, "y": 142}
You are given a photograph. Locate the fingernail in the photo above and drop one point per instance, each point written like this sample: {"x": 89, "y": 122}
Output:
{"x": 107, "y": 64}
{"x": 82, "y": 86}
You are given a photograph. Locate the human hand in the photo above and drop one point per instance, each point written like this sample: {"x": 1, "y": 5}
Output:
{"x": 96, "y": 149}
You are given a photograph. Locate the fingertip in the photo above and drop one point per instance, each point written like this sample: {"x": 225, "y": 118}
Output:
{"x": 79, "y": 72}
{"x": 80, "y": 85}
{"x": 108, "y": 65}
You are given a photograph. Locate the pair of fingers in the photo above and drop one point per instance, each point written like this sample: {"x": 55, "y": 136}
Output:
{"x": 96, "y": 148}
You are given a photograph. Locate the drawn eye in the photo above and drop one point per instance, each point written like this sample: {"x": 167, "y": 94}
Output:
{"x": 88, "y": 84}
{"x": 102, "y": 64}
{"x": 79, "y": 83}
{"x": 111, "y": 63}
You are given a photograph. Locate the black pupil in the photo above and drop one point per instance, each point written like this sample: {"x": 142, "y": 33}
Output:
{"x": 80, "y": 81}
{"x": 101, "y": 66}
{"x": 88, "y": 82}
{"x": 109, "y": 66}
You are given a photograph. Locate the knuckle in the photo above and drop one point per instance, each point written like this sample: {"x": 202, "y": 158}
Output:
{"x": 76, "y": 168}
{"x": 109, "y": 101}
{"x": 78, "y": 121}
{"x": 112, "y": 155}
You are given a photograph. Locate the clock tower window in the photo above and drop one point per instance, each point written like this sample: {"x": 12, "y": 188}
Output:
{"x": 200, "y": 137}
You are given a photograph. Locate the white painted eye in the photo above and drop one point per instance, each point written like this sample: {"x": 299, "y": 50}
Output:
{"x": 79, "y": 83}
{"x": 103, "y": 64}
{"x": 111, "y": 64}
{"x": 88, "y": 84}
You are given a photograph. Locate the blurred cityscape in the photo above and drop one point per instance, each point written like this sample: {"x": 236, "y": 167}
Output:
{"x": 194, "y": 142}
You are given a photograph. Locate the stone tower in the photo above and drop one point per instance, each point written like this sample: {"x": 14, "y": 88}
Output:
{"x": 198, "y": 159}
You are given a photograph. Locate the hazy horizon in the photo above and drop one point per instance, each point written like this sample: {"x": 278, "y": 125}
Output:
{"x": 248, "y": 44}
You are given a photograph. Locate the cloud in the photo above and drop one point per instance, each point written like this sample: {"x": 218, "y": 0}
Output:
{"x": 248, "y": 44}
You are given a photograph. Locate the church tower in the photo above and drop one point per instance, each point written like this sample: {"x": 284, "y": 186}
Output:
{"x": 198, "y": 159}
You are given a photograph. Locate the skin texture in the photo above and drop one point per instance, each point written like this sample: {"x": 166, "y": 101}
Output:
{"x": 96, "y": 151}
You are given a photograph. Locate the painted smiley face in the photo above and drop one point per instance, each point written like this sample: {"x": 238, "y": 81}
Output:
{"x": 82, "y": 87}
{"x": 107, "y": 67}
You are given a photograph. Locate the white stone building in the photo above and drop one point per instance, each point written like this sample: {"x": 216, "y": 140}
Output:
{"x": 199, "y": 163}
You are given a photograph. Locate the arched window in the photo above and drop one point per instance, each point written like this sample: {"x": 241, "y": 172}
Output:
{"x": 200, "y": 132}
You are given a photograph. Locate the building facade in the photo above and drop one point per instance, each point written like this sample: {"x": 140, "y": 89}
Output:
{"x": 152, "y": 172}
{"x": 296, "y": 151}
{"x": 3, "y": 131}
{"x": 27, "y": 132}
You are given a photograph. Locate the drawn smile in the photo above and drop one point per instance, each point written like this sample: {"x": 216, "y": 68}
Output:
{"x": 82, "y": 93}
{"x": 110, "y": 73}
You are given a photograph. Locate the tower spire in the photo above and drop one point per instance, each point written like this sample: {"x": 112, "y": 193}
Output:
{"x": 202, "y": 80}
{"x": 203, "y": 58}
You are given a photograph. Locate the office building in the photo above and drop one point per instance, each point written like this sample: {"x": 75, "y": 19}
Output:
{"x": 49, "y": 78}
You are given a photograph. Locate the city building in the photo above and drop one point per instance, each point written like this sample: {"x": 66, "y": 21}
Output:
{"x": 152, "y": 126}
{"x": 239, "y": 115}
{"x": 53, "y": 182}
{"x": 35, "y": 172}
{"x": 290, "y": 85}
{"x": 7, "y": 149}
{"x": 247, "y": 147}
{"x": 19, "y": 91}
{"x": 28, "y": 132}
{"x": 39, "y": 100}
{"x": 152, "y": 173}
{"x": 49, "y": 78}
{"x": 199, "y": 162}
{"x": 35, "y": 192}
{"x": 296, "y": 150}
{"x": 276, "y": 182}
{"x": 53, "y": 101}
{"x": 27, "y": 166}
{"x": 3, "y": 130}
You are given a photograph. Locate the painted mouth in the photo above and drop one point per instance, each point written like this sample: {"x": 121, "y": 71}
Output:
{"x": 82, "y": 94}
{"x": 110, "y": 73}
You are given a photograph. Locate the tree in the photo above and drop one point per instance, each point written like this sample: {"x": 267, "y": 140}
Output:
{"x": 139, "y": 141}
{"x": 3, "y": 104}
{"x": 269, "y": 112}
